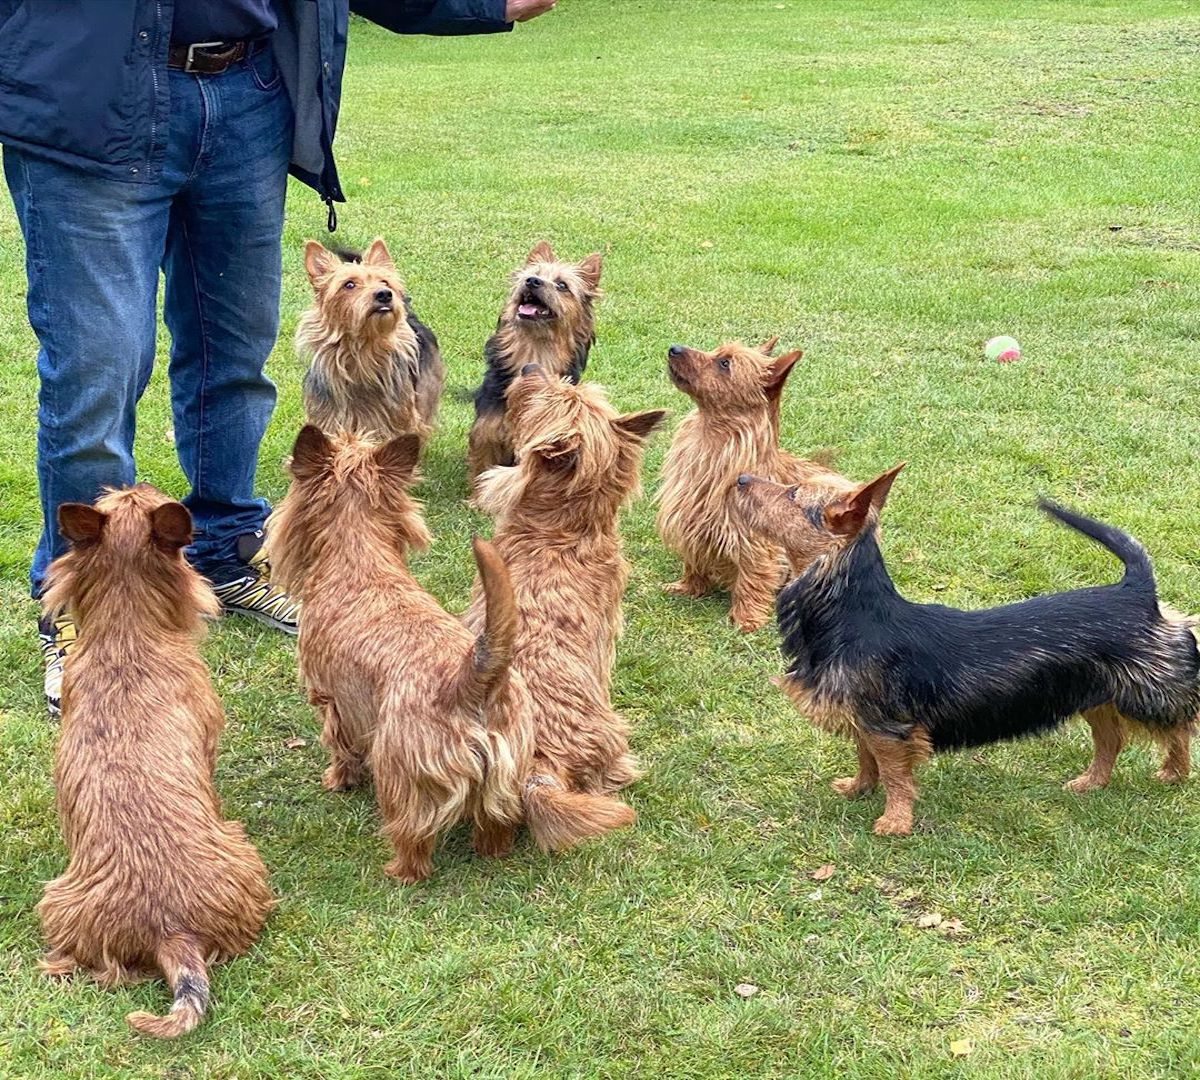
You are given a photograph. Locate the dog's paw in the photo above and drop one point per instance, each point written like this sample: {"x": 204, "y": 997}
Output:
{"x": 339, "y": 778}
{"x": 408, "y": 873}
{"x": 893, "y": 826}
{"x": 57, "y": 965}
{"x": 851, "y": 787}
{"x": 750, "y": 623}
{"x": 683, "y": 587}
{"x": 1082, "y": 784}
{"x": 1169, "y": 775}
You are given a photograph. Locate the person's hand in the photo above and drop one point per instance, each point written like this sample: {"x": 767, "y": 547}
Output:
{"x": 524, "y": 10}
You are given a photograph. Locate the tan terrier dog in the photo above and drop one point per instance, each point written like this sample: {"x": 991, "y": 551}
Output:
{"x": 158, "y": 880}
{"x": 374, "y": 367}
{"x": 556, "y": 511}
{"x": 547, "y": 320}
{"x": 733, "y": 430}
{"x": 400, "y": 682}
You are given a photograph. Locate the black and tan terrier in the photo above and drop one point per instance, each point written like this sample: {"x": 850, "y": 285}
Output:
{"x": 158, "y": 880}
{"x": 733, "y": 430}
{"x": 433, "y": 710}
{"x": 906, "y": 680}
{"x": 548, "y": 320}
{"x": 557, "y": 512}
{"x": 374, "y": 367}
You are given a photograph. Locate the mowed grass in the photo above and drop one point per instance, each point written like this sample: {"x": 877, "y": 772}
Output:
{"x": 886, "y": 184}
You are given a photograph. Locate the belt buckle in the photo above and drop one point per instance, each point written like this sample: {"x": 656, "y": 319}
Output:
{"x": 191, "y": 53}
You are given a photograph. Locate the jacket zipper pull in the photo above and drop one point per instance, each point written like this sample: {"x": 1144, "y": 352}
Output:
{"x": 331, "y": 220}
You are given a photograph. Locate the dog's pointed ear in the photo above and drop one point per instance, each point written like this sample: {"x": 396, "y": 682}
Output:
{"x": 848, "y": 516}
{"x": 80, "y": 523}
{"x": 311, "y": 453}
{"x": 378, "y": 255}
{"x": 776, "y": 375}
{"x": 171, "y": 526}
{"x": 399, "y": 457}
{"x": 319, "y": 261}
{"x": 541, "y": 252}
{"x": 768, "y": 347}
{"x": 559, "y": 451}
{"x": 640, "y": 424}
{"x": 589, "y": 270}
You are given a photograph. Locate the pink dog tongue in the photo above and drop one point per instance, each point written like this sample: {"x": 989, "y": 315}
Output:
{"x": 529, "y": 309}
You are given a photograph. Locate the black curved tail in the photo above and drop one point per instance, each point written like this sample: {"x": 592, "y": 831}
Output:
{"x": 1138, "y": 570}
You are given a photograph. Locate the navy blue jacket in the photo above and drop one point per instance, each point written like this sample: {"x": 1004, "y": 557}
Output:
{"x": 84, "y": 82}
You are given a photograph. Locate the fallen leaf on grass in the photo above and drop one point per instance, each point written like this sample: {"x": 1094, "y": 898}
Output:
{"x": 823, "y": 873}
{"x": 745, "y": 990}
{"x": 953, "y": 926}
{"x": 929, "y": 921}
{"x": 961, "y": 1047}
{"x": 296, "y": 743}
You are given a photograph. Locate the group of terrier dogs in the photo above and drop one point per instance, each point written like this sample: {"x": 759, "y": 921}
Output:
{"x": 503, "y": 716}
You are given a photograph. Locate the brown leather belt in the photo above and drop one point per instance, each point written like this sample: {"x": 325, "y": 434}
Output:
{"x": 211, "y": 57}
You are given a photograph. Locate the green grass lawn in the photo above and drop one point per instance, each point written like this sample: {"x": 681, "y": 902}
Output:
{"x": 886, "y": 184}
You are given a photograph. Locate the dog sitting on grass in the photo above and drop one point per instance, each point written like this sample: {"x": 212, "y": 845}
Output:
{"x": 158, "y": 880}
{"x": 403, "y": 687}
{"x": 906, "y": 680}
{"x": 733, "y": 430}
{"x": 374, "y": 367}
{"x": 548, "y": 320}
{"x": 556, "y": 511}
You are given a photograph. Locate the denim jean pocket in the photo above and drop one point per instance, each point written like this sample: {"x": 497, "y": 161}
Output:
{"x": 263, "y": 69}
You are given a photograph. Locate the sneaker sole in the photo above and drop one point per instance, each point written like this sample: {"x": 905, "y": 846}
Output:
{"x": 291, "y": 629}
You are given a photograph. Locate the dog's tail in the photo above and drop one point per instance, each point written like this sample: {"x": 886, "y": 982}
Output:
{"x": 1138, "y": 571}
{"x": 183, "y": 965}
{"x": 493, "y": 650}
{"x": 560, "y": 818}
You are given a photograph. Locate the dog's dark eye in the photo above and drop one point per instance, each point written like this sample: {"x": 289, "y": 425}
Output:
{"x": 350, "y": 285}
{"x": 723, "y": 363}
{"x": 792, "y": 493}
{"x": 561, "y": 286}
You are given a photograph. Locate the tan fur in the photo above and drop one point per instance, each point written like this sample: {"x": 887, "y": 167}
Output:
{"x": 158, "y": 880}
{"x": 552, "y": 344}
{"x": 556, "y": 516}
{"x": 734, "y": 430}
{"x": 405, "y": 690}
{"x": 364, "y": 375}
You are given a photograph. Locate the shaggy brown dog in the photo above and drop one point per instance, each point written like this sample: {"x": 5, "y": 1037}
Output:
{"x": 548, "y": 320}
{"x": 401, "y": 684}
{"x": 734, "y": 430}
{"x": 374, "y": 367}
{"x": 556, "y": 516}
{"x": 158, "y": 879}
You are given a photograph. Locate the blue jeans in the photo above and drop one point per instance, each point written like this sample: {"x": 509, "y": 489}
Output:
{"x": 213, "y": 221}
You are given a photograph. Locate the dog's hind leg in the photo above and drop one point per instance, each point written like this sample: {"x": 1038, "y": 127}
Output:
{"x": 493, "y": 839}
{"x": 896, "y": 760}
{"x": 693, "y": 583}
{"x": 413, "y": 860}
{"x": 346, "y": 765}
{"x": 1177, "y": 757}
{"x": 1109, "y": 739}
{"x": 58, "y": 964}
{"x": 864, "y": 781}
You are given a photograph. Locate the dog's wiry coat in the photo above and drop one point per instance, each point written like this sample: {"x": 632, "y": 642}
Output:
{"x": 733, "y": 430}
{"x": 158, "y": 880}
{"x": 548, "y": 320}
{"x": 374, "y": 367}
{"x": 403, "y": 687}
{"x": 905, "y": 680}
{"x": 556, "y": 510}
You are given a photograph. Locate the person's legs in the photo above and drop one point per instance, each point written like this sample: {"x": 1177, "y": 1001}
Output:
{"x": 93, "y": 248}
{"x": 223, "y": 277}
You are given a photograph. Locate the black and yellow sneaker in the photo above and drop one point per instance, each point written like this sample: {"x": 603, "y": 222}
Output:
{"x": 253, "y": 595}
{"x": 57, "y": 637}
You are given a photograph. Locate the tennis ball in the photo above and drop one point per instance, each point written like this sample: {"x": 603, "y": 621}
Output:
{"x": 1002, "y": 349}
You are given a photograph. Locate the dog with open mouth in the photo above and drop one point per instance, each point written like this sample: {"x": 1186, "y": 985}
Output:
{"x": 548, "y": 320}
{"x": 374, "y": 367}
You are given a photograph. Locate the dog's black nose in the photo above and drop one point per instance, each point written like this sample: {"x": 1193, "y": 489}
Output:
{"x": 745, "y": 480}
{"x": 384, "y": 296}
{"x": 530, "y": 369}
{"x": 533, "y": 282}
{"x": 677, "y": 350}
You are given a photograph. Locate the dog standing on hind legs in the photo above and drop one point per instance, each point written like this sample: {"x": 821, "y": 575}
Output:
{"x": 556, "y": 511}
{"x": 905, "y": 680}
{"x": 548, "y": 320}
{"x": 158, "y": 879}
{"x": 404, "y": 689}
